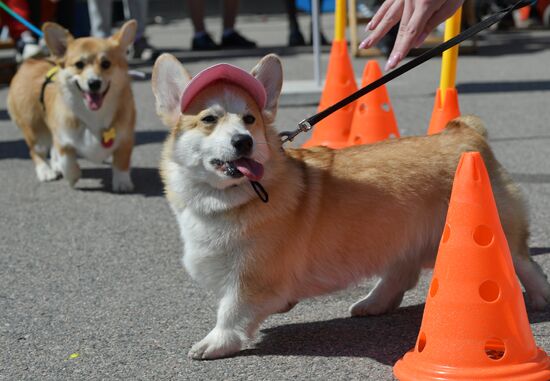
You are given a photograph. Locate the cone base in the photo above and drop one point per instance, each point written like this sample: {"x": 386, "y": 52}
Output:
{"x": 411, "y": 368}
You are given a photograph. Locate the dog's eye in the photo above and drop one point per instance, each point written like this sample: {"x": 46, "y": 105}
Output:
{"x": 249, "y": 119}
{"x": 105, "y": 64}
{"x": 209, "y": 119}
{"x": 79, "y": 65}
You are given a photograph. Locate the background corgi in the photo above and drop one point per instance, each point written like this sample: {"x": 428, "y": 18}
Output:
{"x": 333, "y": 216}
{"x": 77, "y": 103}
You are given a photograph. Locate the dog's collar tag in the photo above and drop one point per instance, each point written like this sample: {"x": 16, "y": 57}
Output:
{"x": 108, "y": 137}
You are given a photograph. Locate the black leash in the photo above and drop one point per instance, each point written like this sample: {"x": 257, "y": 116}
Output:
{"x": 307, "y": 124}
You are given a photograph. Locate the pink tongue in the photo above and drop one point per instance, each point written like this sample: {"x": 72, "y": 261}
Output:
{"x": 94, "y": 100}
{"x": 253, "y": 170}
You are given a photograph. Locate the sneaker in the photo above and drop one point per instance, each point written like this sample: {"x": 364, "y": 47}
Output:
{"x": 203, "y": 42}
{"x": 143, "y": 51}
{"x": 295, "y": 38}
{"x": 27, "y": 47}
{"x": 234, "y": 40}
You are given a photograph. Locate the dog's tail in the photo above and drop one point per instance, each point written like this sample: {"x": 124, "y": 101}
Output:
{"x": 472, "y": 121}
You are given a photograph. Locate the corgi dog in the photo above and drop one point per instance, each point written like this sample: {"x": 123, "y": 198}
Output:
{"x": 333, "y": 217}
{"x": 77, "y": 103}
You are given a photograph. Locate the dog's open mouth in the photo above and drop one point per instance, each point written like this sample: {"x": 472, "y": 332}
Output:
{"x": 244, "y": 166}
{"x": 94, "y": 100}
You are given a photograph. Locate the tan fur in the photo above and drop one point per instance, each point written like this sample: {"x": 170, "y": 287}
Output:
{"x": 45, "y": 125}
{"x": 335, "y": 217}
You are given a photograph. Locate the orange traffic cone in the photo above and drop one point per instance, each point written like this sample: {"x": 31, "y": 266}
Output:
{"x": 444, "y": 112}
{"x": 333, "y": 131}
{"x": 373, "y": 119}
{"x": 475, "y": 325}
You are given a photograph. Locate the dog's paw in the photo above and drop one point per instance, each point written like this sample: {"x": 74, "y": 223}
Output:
{"x": 374, "y": 306}
{"x": 72, "y": 174}
{"x": 45, "y": 173}
{"x": 217, "y": 344}
{"x": 539, "y": 299}
{"x": 122, "y": 182}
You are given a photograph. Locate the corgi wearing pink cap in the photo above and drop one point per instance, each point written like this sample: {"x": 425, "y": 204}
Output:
{"x": 264, "y": 228}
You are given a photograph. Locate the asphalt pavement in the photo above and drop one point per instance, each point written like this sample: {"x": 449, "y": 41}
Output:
{"x": 91, "y": 283}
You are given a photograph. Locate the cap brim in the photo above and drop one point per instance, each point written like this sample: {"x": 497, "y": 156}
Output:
{"x": 224, "y": 72}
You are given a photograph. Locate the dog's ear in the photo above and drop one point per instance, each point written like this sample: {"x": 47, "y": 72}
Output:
{"x": 169, "y": 80}
{"x": 57, "y": 38}
{"x": 269, "y": 72}
{"x": 126, "y": 35}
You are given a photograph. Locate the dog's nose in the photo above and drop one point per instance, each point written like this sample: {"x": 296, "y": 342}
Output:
{"x": 94, "y": 84}
{"x": 242, "y": 143}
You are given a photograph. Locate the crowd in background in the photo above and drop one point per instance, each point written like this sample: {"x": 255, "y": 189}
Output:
{"x": 100, "y": 17}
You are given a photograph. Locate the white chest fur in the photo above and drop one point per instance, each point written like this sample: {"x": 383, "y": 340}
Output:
{"x": 211, "y": 250}
{"x": 87, "y": 142}
{"x": 86, "y": 138}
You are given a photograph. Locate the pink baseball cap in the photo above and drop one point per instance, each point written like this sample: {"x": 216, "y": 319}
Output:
{"x": 224, "y": 72}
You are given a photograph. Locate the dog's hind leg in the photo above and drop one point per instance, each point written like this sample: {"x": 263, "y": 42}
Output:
{"x": 39, "y": 145}
{"x": 388, "y": 292}
{"x": 530, "y": 273}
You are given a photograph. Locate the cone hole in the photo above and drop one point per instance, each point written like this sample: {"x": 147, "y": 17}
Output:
{"x": 392, "y": 136}
{"x": 495, "y": 349}
{"x": 357, "y": 140}
{"x": 489, "y": 291}
{"x": 362, "y": 108}
{"x": 385, "y": 107}
{"x": 446, "y": 233}
{"x": 483, "y": 235}
{"x": 421, "y": 342}
{"x": 434, "y": 287}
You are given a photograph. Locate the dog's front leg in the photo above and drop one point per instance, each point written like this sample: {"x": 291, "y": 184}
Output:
{"x": 66, "y": 162}
{"x": 236, "y": 319}
{"x": 122, "y": 182}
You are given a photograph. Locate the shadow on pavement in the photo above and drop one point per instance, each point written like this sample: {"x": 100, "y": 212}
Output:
{"x": 502, "y": 87}
{"x": 539, "y": 250}
{"x": 149, "y": 137}
{"x": 146, "y": 181}
{"x": 383, "y": 338}
{"x": 17, "y": 149}
{"x": 512, "y": 42}
{"x": 14, "y": 149}
{"x": 531, "y": 178}
{"x": 4, "y": 114}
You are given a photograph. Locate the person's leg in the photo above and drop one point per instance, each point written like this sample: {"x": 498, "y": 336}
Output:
{"x": 137, "y": 10}
{"x": 295, "y": 37}
{"x": 101, "y": 17}
{"x": 201, "y": 39}
{"x": 231, "y": 38}
{"x": 196, "y": 8}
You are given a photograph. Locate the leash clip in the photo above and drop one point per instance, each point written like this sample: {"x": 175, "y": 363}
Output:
{"x": 288, "y": 136}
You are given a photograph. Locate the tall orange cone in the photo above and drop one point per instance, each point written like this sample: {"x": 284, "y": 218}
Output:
{"x": 444, "y": 110}
{"x": 333, "y": 131}
{"x": 475, "y": 325}
{"x": 373, "y": 119}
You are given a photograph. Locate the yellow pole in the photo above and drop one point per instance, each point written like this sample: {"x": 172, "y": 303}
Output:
{"x": 450, "y": 56}
{"x": 340, "y": 20}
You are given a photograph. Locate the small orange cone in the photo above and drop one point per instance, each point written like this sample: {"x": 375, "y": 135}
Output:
{"x": 444, "y": 112}
{"x": 373, "y": 119}
{"x": 333, "y": 131}
{"x": 475, "y": 325}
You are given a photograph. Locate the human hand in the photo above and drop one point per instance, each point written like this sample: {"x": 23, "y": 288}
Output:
{"x": 418, "y": 19}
